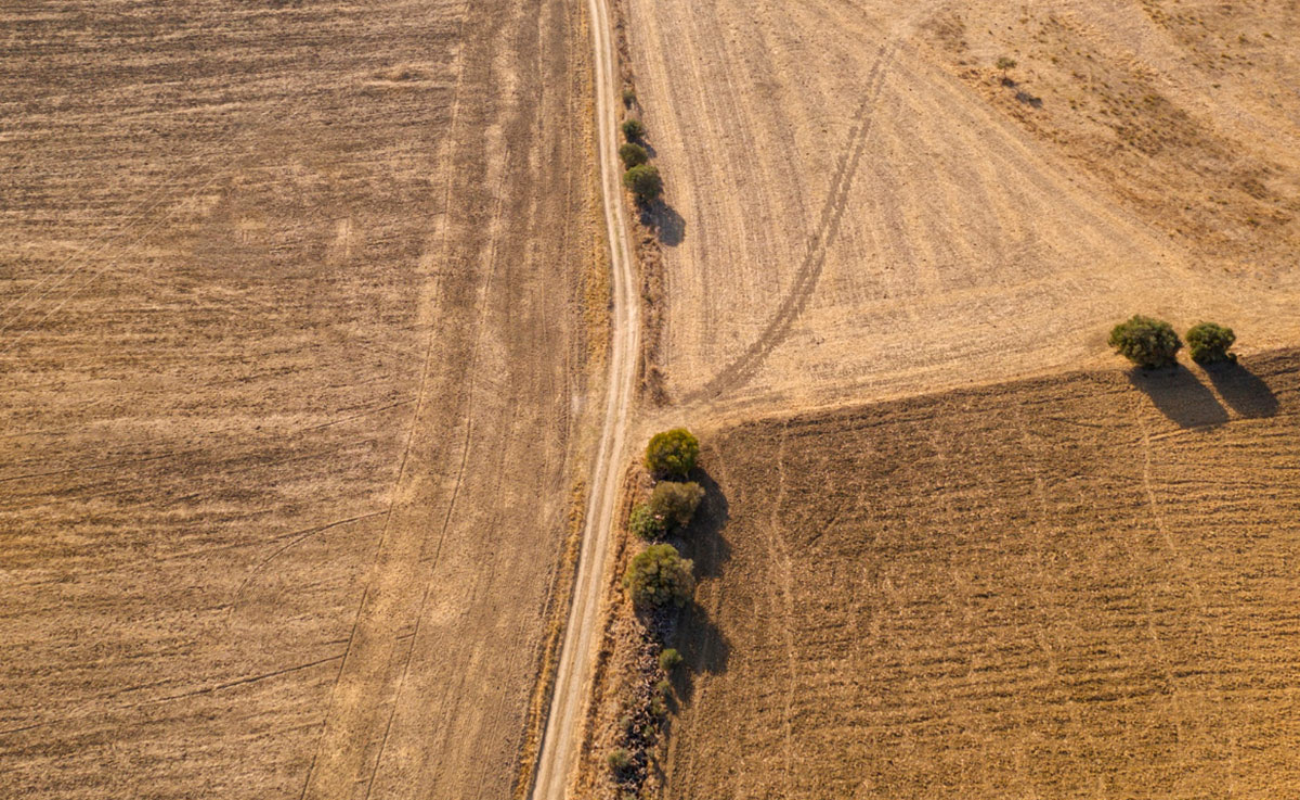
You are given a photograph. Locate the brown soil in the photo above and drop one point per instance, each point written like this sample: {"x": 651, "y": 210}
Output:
{"x": 867, "y": 211}
{"x": 293, "y": 365}
{"x": 1072, "y": 587}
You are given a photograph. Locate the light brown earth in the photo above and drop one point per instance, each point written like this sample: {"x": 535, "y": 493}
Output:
{"x": 1066, "y": 587}
{"x": 859, "y": 208}
{"x": 294, "y": 385}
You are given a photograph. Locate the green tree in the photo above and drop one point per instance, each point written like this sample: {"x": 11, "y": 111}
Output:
{"x": 633, "y": 130}
{"x": 644, "y": 182}
{"x": 646, "y": 524}
{"x": 675, "y": 503}
{"x": 658, "y": 577}
{"x": 672, "y": 453}
{"x": 1209, "y": 343}
{"x": 633, "y": 155}
{"x": 1147, "y": 342}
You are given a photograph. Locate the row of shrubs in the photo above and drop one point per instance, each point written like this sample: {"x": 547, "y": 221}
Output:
{"x": 641, "y": 177}
{"x": 1152, "y": 343}
{"x": 658, "y": 581}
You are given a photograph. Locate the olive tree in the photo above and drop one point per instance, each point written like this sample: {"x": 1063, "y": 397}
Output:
{"x": 672, "y": 453}
{"x": 1147, "y": 342}
{"x": 1209, "y": 343}
{"x": 659, "y": 577}
{"x": 644, "y": 182}
{"x": 675, "y": 503}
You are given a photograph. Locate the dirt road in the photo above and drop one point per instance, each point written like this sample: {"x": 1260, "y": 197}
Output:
{"x": 293, "y": 378}
{"x": 564, "y": 723}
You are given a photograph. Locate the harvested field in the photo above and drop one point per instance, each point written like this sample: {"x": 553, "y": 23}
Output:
{"x": 293, "y": 386}
{"x": 858, "y": 207}
{"x": 1068, "y": 587}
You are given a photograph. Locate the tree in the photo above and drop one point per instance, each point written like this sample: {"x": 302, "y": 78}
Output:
{"x": 1209, "y": 343}
{"x": 675, "y": 503}
{"x": 633, "y": 155}
{"x": 658, "y": 577}
{"x": 645, "y": 523}
{"x": 672, "y": 453}
{"x": 1147, "y": 342}
{"x": 633, "y": 130}
{"x": 645, "y": 183}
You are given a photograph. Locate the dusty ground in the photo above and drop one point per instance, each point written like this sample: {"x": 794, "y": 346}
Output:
{"x": 292, "y": 376}
{"x": 1068, "y": 587}
{"x": 859, "y": 208}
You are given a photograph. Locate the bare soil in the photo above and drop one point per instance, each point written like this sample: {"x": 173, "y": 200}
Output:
{"x": 294, "y": 382}
{"x": 1079, "y": 586}
{"x": 862, "y": 209}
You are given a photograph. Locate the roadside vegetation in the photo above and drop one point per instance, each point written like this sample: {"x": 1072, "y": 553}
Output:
{"x": 660, "y": 584}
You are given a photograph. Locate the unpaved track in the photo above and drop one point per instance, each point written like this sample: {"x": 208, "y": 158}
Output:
{"x": 564, "y": 723}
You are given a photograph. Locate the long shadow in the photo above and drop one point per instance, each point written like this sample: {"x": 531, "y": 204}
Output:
{"x": 1241, "y": 389}
{"x": 668, "y": 225}
{"x": 1178, "y": 395}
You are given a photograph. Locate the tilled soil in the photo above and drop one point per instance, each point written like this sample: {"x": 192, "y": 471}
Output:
{"x": 292, "y": 377}
{"x": 1071, "y": 587}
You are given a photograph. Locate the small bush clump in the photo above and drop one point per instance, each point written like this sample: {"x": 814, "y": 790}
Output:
{"x": 645, "y": 523}
{"x": 644, "y": 182}
{"x": 620, "y": 761}
{"x": 1005, "y": 63}
{"x": 658, "y": 577}
{"x": 672, "y": 453}
{"x": 633, "y": 130}
{"x": 629, "y": 97}
{"x": 633, "y": 155}
{"x": 669, "y": 659}
{"x": 675, "y": 503}
{"x": 1147, "y": 342}
{"x": 1209, "y": 343}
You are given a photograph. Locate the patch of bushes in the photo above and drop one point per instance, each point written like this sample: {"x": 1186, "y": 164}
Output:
{"x": 632, "y": 155}
{"x": 672, "y": 453}
{"x": 644, "y": 182}
{"x": 659, "y": 577}
{"x": 675, "y": 503}
{"x": 1147, "y": 342}
{"x": 646, "y": 524}
{"x": 1209, "y": 343}
{"x": 633, "y": 130}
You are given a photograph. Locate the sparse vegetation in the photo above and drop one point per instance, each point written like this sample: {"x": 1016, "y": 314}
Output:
{"x": 1004, "y": 63}
{"x": 633, "y": 155}
{"x": 620, "y": 761}
{"x": 633, "y": 129}
{"x": 669, "y": 659}
{"x": 644, "y": 182}
{"x": 1147, "y": 342}
{"x": 645, "y": 524}
{"x": 674, "y": 504}
{"x": 1209, "y": 343}
{"x": 672, "y": 453}
{"x": 659, "y": 577}
{"x": 629, "y": 97}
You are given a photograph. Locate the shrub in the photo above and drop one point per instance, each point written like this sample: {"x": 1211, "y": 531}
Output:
{"x": 1005, "y": 63}
{"x": 675, "y": 503}
{"x": 633, "y": 155}
{"x": 645, "y": 183}
{"x": 629, "y": 97}
{"x": 669, "y": 659}
{"x": 645, "y": 523}
{"x": 620, "y": 761}
{"x": 633, "y": 130}
{"x": 1209, "y": 343}
{"x": 664, "y": 688}
{"x": 659, "y": 577}
{"x": 672, "y": 453}
{"x": 1147, "y": 342}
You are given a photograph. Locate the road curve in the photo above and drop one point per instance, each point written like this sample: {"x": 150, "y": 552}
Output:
{"x": 561, "y": 738}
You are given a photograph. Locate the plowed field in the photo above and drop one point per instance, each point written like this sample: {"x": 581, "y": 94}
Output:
{"x": 1070, "y": 587}
{"x": 292, "y": 377}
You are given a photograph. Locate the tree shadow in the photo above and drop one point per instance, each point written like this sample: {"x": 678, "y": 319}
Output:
{"x": 704, "y": 542}
{"x": 698, "y": 638}
{"x": 704, "y": 648}
{"x": 668, "y": 225}
{"x": 1241, "y": 389}
{"x": 1178, "y": 395}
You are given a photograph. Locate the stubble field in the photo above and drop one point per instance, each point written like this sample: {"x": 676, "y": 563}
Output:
{"x": 293, "y": 372}
{"x": 1067, "y": 587}
{"x": 859, "y": 207}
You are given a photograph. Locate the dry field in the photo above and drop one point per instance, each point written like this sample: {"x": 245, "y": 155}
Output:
{"x": 1065, "y": 587}
{"x": 293, "y": 385}
{"x": 860, "y": 208}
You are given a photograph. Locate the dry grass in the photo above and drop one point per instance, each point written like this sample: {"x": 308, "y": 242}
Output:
{"x": 1071, "y": 587}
